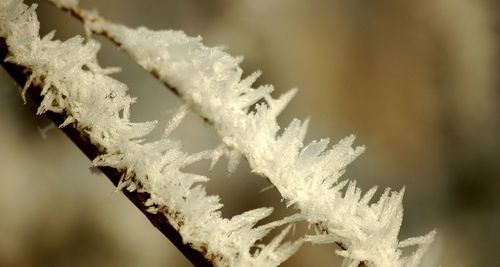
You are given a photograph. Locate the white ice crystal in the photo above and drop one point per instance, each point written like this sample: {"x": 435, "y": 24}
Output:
{"x": 75, "y": 85}
{"x": 307, "y": 176}
{"x": 210, "y": 82}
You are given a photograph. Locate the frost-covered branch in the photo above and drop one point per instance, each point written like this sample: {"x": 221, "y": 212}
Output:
{"x": 210, "y": 82}
{"x": 84, "y": 101}
{"x": 307, "y": 176}
{"x": 81, "y": 139}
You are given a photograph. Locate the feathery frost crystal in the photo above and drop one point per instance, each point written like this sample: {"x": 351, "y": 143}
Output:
{"x": 210, "y": 82}
{"x": 75, "y": 84}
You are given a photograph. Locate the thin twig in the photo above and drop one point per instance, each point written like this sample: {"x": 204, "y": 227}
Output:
{"x": 20, "y": 74}
{"x": 85, "y": 16}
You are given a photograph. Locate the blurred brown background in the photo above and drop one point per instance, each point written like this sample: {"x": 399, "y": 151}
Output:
{"x": 416, "y": 81}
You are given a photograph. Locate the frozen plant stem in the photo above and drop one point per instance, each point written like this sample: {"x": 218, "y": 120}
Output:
{"x": 72, "y": 84}
{"x": 81, "y": 140}
{"x": 210, "y": 81}
{"x": 306, "y": 175}
{"x": 90, "y": 18}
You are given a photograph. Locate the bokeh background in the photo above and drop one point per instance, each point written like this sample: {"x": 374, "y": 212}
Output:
{"x": 416, "y": 81}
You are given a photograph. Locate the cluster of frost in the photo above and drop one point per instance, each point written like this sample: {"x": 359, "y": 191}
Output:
{"x": 75, "y": 85}
{"x": 306, "y": 175}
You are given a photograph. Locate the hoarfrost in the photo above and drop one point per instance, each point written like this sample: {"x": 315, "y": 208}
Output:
{"x": 74, "y": 84}
{"x": 306, "y": 175}
{"x": 210, "y": 82}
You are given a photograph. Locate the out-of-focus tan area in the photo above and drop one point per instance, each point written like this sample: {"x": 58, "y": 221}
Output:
{"x": 416, "y": 81}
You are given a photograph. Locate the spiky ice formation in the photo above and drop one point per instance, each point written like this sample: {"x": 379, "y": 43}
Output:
{"x": 75, "y": 85}
{"x": 307, "y": 176}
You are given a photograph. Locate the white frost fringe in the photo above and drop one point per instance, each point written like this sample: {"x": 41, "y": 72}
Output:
{"x": 210, "y": 81}
{"x": 75, "y": 84}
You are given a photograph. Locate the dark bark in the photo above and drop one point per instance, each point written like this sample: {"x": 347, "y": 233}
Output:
{"x": 20, "y": 74}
